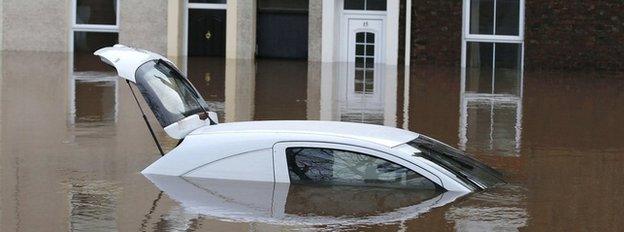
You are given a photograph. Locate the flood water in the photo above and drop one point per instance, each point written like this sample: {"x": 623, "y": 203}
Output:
{"x": 72, "y": 145}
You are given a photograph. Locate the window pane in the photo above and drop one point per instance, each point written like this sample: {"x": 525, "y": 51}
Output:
{"x": 359, "y": 62}
{"x": 370, "y": 62}
{"x": 208, "y": 1}
{"x": 85, "y": 43}
{"x": 507, "y": 17}
{"x": 359, "y": 37}
{"x": 96, "y": 12}
{"x": 479, "y": 67}
{"x": 282, "y": 5}
{"x": 507, "y": 70}
{"x": 481, "y": 17}
{"x": 370, "y": 50}
{"x": 359, "y": 81}
{"x": 354, "y": 5}
{"x": 370, "y": 37}
{"x": 359, "y": 50}
{"x": 337, "y": 167}
{"x": 376, "y": 5}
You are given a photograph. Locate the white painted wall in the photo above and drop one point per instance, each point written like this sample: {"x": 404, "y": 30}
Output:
{"x": 392, "y": 32}
{"x": 328, "y": 30}
{"x": 174, "y": 27}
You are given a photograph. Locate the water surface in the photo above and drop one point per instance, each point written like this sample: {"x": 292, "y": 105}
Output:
{"x": 72, "y": 145}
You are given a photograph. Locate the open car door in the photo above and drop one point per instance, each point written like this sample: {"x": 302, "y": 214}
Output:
{"x": 175, "y": 102}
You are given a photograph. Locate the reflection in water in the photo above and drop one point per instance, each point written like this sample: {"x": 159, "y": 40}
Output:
{"x": 208, "y": 76}
{"x": 491, "y": 120}
{"x": 299, "y": 204}
{"x": 280, "y": 83}
{"x": 499, "y": 209}
{"x": 101, "y": 107}
{"x": 317, "y": 200}
{"x": 240, "y": 84}
{"x": 93, "y": 206}
{"x": 242, "y": 90}
{"x": 349, "y": 96}
{"x": 361, "y": 95}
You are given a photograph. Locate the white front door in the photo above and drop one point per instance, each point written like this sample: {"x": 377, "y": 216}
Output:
{"x": 365, "y": 61}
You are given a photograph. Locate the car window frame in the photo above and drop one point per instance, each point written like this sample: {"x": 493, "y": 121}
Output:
{"x": 282, "y": 175}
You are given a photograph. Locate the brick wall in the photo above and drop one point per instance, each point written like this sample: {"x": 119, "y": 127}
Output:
{"x": 436, "y": 32}
{"x": 579, "y": 35}
{"x": 585, "y": 35}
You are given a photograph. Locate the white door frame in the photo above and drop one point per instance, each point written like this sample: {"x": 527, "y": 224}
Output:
{"x": 333, "y": 27}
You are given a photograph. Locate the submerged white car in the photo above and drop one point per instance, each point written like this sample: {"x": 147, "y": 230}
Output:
{"x": 298, "y": 152}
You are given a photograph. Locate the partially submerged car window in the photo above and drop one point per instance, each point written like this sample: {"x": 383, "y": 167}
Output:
{"x": 463, "y": 166}
{"x": 338, "y": 167}
{"x": 170, "y": 96}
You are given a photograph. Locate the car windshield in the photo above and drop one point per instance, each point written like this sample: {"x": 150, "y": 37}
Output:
{"x": 170, "y": 96}
{"x": 463, "y": 166}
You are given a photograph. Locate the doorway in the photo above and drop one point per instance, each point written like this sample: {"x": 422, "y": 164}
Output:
{"x": 205, "y": 46}
{"x": 282, "y": 29}
{"x": 206, "y": 32}
{"x": 363, "y": 49}
{"x": 364, "y": 65}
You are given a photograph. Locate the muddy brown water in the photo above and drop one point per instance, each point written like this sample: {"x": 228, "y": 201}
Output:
{"x": 72, "y": 145}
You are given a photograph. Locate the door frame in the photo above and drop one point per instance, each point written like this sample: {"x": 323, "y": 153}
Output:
{"x": 348, "y": 48}
{"x": 344, "y": 45}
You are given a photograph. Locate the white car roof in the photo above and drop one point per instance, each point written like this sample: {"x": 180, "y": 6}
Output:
{"x": 382, "y": 135}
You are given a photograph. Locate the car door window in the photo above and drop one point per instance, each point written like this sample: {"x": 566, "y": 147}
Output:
{"x": 339, "y": 167}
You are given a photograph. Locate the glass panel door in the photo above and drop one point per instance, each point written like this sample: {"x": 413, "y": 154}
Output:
{"x": 363, "y": 98}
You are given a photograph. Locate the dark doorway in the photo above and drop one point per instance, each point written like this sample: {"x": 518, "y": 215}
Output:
{"x": 206, "y": 32}
{"x": 282, "y": 29}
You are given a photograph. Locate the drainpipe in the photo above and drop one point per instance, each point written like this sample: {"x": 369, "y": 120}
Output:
{"x": 407, "y": 59}
{"x": 408, "y": 32}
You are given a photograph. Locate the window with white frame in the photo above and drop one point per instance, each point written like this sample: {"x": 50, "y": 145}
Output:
{"x": 95, "y": 25}
{"x": 375, "y": 5}
{"x": 493, "y": 44}
{"x": 364, "y": 62}
{"x": 93, "y": 85}
{"x": 491, "y": 94}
